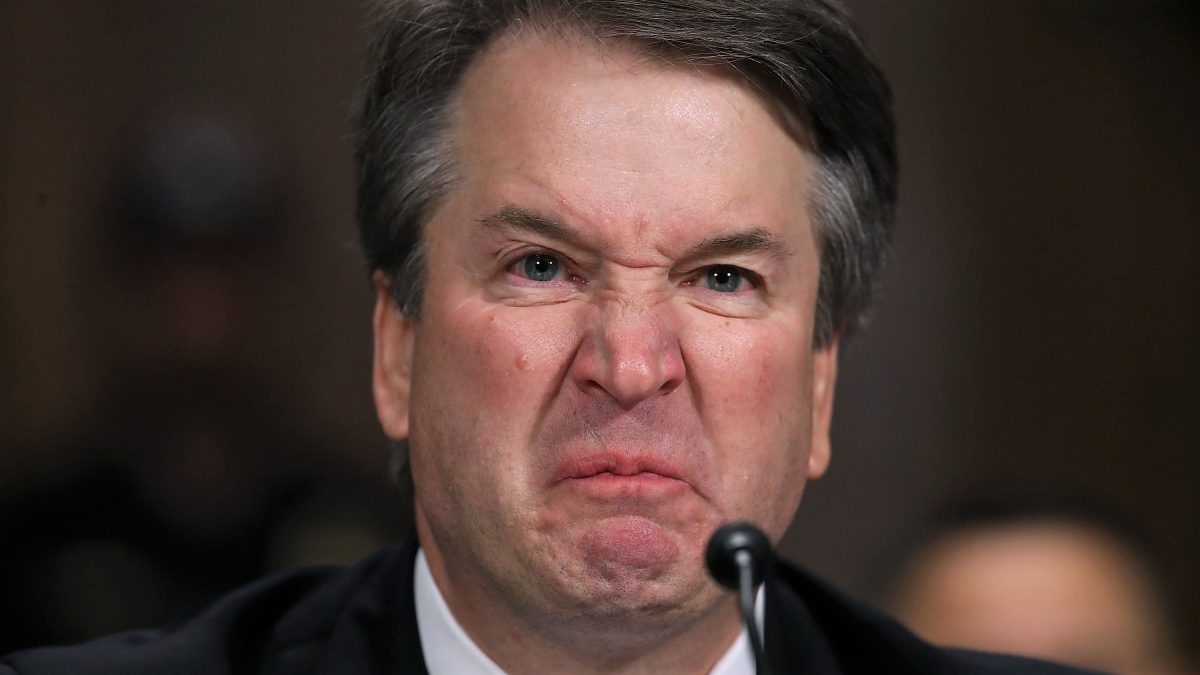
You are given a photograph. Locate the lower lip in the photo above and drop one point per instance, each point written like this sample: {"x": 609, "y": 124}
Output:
{"x": 645, "y": 485}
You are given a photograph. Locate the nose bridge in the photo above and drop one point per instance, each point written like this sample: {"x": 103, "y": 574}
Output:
{"x": 632, "y": 350}
{"x": 636, "y": 329}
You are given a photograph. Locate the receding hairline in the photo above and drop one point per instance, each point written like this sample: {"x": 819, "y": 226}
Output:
{"x": 803, "y": 59}
{"x": 575, "y": 31}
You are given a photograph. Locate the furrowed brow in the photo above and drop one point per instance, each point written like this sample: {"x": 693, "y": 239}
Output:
{"x": 752, "y": 240}
{"x": 530, "y": 222}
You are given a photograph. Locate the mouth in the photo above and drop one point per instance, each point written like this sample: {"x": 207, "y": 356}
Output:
{"x": 610, "y": 477}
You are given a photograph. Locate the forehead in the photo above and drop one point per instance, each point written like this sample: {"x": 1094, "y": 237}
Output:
{"x": 619, "y": 135}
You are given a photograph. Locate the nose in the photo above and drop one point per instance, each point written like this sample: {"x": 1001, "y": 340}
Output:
{"x": 629, "y": 352}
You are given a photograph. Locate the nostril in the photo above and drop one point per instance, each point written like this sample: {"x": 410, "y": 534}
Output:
{"x": 593, "y": 387}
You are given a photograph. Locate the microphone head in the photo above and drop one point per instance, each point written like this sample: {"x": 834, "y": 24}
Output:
{"x": 721, "y": 554}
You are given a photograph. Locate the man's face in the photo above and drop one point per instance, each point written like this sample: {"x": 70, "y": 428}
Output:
{"x": 615, "y": 354}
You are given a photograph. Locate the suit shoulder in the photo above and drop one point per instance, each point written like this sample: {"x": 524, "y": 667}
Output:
{"x": 240, "y": 628}
{"x": 1004, "y": 664}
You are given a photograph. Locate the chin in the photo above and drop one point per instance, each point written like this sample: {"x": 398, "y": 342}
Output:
{"x": 652, "y": 604}
{"x": 624, "y": 564}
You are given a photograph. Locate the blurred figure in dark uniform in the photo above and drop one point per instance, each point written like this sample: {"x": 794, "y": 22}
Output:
{"x": 191, "y": 481}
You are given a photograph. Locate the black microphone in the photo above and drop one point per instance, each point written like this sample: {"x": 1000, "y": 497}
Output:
{"x": 737, "y": 557}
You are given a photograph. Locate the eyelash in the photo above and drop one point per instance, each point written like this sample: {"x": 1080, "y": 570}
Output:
{"x": 516, "y": 264}
{"x": 698, "y": 277}
{"x": 567, "y": 267}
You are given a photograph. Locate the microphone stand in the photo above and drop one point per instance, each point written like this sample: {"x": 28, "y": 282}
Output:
{"x": 737, "y": 557}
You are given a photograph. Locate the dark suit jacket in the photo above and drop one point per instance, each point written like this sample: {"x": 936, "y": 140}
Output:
{"x": 359, "y": 620}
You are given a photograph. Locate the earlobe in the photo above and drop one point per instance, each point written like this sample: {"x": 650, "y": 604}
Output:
{"x": 392, "y": 364}
{"x": 824, "y": 380}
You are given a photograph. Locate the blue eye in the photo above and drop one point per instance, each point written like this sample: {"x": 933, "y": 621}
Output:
{"x": 723, "y": 278}
{"x": 541, "y": 267}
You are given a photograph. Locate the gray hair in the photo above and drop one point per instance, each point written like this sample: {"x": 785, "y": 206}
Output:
{"x": 804, "y": 54}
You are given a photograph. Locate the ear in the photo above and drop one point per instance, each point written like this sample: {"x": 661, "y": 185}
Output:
{"x": 824, "y": 379}
{"x": 392, "y": 366}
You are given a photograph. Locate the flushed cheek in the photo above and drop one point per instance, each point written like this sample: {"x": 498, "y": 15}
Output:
{"x": 755, "y": 407}
{"x": 756, "y": 372}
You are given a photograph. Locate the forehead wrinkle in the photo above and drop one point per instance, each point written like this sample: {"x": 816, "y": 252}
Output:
{"x": 750, "y": 240}
{"x": 527, "y": 220}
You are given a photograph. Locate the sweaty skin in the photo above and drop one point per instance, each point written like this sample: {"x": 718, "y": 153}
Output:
{"x": 615, "y": 354}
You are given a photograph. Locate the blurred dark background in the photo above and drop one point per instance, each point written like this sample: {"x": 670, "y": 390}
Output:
{"x": 184, "y": 315}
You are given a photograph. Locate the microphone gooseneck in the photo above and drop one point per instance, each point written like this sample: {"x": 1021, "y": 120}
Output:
{"x": 737, "y": 557}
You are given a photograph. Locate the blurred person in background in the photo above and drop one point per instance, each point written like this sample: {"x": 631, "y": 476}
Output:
{"x": 1043, "y": 574}
{"x": 191, "y": 481}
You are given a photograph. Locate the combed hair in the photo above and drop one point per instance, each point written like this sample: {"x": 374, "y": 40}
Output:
{"x": 805, "y": 55}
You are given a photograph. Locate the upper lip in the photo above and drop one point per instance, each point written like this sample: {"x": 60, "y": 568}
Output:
{"x": 618, "y": 464}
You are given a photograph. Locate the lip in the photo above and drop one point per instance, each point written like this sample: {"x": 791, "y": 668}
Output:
{"x": 612, "y": 466}
{"x": 611, "y": 477}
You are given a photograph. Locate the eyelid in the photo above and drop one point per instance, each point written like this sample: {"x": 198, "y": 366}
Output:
{"x": 568, "y": 270}
{"x": 747, "y": 274}
{"x": 754, "y": 279}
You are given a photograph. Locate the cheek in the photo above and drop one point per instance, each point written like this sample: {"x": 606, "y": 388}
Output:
{"x": 482, "y": 373}
{"x": 517, "y": 355}
{"x": 756, "y": 391}
{"x": 491, "y": 354}
{"x": 758, "y": 373}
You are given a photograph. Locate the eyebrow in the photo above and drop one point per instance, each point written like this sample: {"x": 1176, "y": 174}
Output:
{"x": 750, "y": 240}
{"x": 524, "y": 220}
